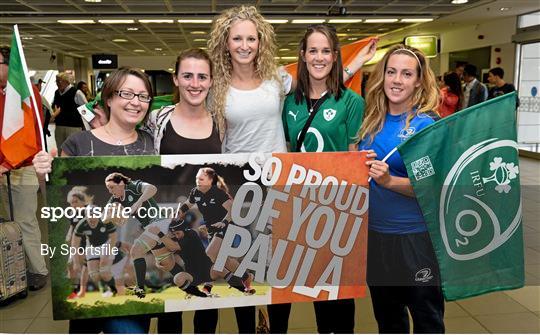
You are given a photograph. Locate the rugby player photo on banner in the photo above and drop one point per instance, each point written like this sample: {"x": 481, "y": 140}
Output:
{"x": 153, "y": 234}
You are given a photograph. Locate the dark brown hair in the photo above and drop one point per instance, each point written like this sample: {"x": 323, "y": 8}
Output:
{"x": 190, "y": 53}
{"x": 217, "y": 180}
{"x": 117, "y": 178}
{"x": 116, "y": 79}
{"x": 451, "y": 79}
{"x": 334, "y": 82}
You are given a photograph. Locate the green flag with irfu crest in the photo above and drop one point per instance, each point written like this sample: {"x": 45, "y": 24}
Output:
{"x": 465, "y": 173}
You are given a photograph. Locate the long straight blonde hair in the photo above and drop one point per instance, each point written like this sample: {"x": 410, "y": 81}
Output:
{"x": 425, "y": 97}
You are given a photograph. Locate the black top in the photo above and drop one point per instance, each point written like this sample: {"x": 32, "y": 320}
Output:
{"x": 497, "y": 91}
{"x": 85, "y": 143}
{"x": 210, "y": 204}
{"x": 174, "y": 144}
{"x": 96, "y": 236}
{"x": 74, "y": 222}
{"x": 69, "y": 116}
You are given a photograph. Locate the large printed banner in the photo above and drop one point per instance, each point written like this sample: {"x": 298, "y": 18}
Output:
{"x": 152, "y": 234}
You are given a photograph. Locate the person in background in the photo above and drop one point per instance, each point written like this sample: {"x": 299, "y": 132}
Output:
{"x": 81, "y": 95}
{"x": 24, "y": 187}
{"x": 474, "y": 91}
{"x": 335, "y": 128}
{"x": 499, "y": 86}
{"x": 451, "y": 95}
{"x": 402, "y": 95}
{"x": 65, "y": 115}
{"x": 46, "y": 109}
{"x": 460, "y": 68}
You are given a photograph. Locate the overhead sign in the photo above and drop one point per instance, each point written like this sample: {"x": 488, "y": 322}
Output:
{"x": 426, "y": 44}
{"x": 104, "y": 61}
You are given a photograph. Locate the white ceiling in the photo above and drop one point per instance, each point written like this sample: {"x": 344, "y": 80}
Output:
{"x": 37, "y": 20}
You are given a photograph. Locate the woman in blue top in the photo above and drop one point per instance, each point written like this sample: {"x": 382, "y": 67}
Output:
{"x": 402, "y": 269}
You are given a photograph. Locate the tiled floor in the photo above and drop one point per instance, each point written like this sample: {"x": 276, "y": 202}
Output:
{"x": 515, "y": 311}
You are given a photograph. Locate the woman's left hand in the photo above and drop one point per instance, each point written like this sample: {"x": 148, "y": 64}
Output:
{"x": 370, "y": 49}
{"x": 367, "y": 53}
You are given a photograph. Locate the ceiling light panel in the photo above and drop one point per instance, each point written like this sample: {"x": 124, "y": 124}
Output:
{"x": 76, "y": 21}
{"x": 157, "y": 21}
{"x": 194, "y": 21}
{"x": 414, "y": 20}
{"x": 344, "y": 21}
{"x": 380, "y": 20}
{"x": 114, "y": 21}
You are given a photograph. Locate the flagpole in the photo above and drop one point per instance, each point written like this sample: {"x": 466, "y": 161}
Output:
{"x": 30, "y": 87}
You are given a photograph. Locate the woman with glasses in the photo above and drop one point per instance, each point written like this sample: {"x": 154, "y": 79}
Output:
{"x": 127, "y": 98}
{"x": 127, "y": 94}
{"x": 321, "y": 115}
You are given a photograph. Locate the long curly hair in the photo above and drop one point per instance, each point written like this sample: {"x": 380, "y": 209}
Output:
{"x": 264, "y": 64}
{"x": 425, "y": 97}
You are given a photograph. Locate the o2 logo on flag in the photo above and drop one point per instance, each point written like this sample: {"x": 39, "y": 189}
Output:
{"x": 480, "y": 204}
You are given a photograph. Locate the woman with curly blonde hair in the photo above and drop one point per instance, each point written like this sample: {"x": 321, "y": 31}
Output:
{"x": 249, "y": 89}
{"x": 402, "y": 271}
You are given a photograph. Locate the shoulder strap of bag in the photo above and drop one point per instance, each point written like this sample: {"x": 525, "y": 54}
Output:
{"x": 308, "y": 123}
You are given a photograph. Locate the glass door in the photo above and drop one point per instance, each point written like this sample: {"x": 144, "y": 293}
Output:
{"x": 528, "y": 86}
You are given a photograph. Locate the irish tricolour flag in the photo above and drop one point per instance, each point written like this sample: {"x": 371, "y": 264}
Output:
{"x": 20, "y": 120}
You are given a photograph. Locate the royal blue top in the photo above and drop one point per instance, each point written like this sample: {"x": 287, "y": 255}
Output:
{"x": 391, "y": 212}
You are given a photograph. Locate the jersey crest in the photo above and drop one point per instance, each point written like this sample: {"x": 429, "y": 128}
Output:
{"x": 329, "y": 114}
{"x": 406, "y": 133}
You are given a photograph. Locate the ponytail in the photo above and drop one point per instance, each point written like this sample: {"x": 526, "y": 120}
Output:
{"x": 217, "y": 180}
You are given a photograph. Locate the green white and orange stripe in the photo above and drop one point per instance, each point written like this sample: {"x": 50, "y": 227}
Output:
{"x": 21, "y": 120}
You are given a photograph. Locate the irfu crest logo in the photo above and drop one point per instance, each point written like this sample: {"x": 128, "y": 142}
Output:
{"x": 503, "y": 174}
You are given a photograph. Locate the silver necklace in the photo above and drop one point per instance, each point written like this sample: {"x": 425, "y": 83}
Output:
{"x": 311, "y": 108}
{"x": 118, "y": 141}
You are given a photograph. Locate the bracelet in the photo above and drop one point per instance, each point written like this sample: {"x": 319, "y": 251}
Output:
{"x": 348, "y": 71}
{"x": 225, "y": 221}
{"x": 160, "y": 234}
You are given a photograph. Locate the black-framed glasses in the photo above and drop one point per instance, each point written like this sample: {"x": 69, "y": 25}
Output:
{"x": 130, "y": 95}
